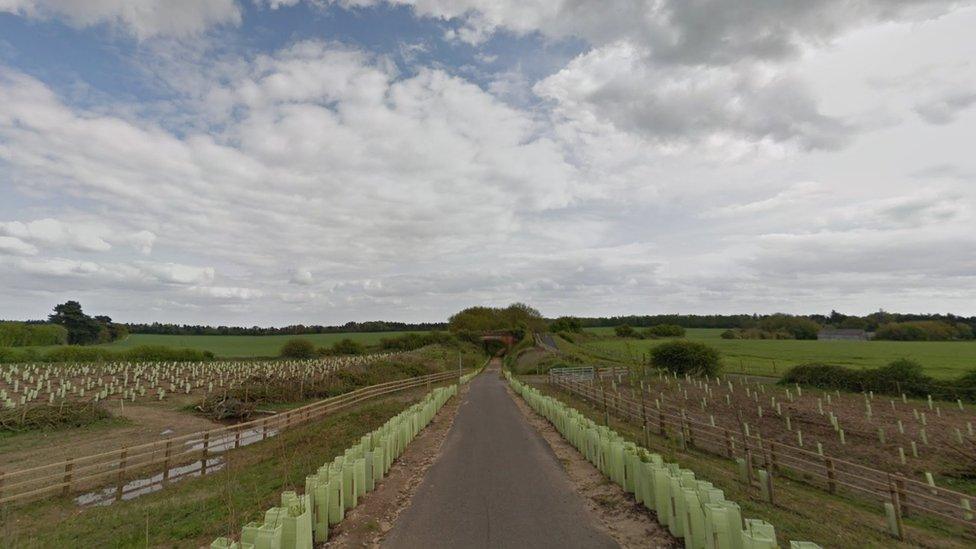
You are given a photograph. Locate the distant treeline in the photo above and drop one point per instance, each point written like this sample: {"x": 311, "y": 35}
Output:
{"x": 297, "y": 329}
{"x": 869, "y": 322}
{"x": 685, "y": 321}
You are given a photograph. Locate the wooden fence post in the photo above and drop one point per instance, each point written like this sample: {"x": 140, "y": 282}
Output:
{"x": 69, "y": 465}
{"x": 896, "y": 504}
{"x": 169, "y": 450}
{"x": 237, "y": 438}
{"x": 606, "y": 412}
{"x": 206, "y": 451}
{"x": 728, "y": 444}
{"x": 773, "y": 458}
{"x": 769, "y": 487}
{"x": 123, "y": 460}
{"x": 902, "y": 494}
{"x": 748, "y": 452}
{"x": 647, "y": 435}
{"x": 831, "y": 475}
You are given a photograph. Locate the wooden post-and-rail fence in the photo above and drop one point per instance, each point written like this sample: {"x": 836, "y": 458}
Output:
{"x": 95, "y": 470}
{"x": 822, "y": 471}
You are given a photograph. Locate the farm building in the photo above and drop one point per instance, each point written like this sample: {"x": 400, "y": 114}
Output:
{"x": 832, "y": 334}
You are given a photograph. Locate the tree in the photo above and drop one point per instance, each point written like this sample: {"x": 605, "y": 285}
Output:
{"x": 82, "y": 329}
{"x": 517, "y": 318}
{"x": 797, "y": 326}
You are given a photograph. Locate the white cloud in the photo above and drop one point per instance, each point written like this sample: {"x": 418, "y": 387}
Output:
{"x": 228, "y": 293}
{"x": 15, "y": 246}
{"x": 53, "y": 232}
{"x": 302, "y": 277}
{"x": 945, "y": 109}
{"x": 174, "y": 273}
{"x": 141, "y": 18}
{"x": 797, "y": 194}
{"x": 81, "y": 236}
{"x": 675, "y": 105}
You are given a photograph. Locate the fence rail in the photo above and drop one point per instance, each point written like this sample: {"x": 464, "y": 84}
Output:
{"x": 94, "y": 470}
{"x": 821, "y": 471}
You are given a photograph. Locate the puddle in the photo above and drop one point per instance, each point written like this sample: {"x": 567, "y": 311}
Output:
{"x": 143, "y": 486}
{"x": 148, "y": 485}
{"x": 226, "y": 442}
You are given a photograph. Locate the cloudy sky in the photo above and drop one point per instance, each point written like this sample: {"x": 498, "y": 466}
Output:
{"x": 280, "y": 161}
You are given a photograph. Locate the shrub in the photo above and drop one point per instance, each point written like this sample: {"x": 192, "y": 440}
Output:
{"x": 566, "y": 324}
{"x": 297, "y": 348}
{"x": 730, "y": 334}
{"x": 409, "y": 342}
{"x": 160, "y": 353}
{"x": 665, "y": 330}
{"x": 347, "y": 346}
{"x": 967, "y": 380}
{"x": 824, "y": 376}
{"x": 44, "y": 417}
{"x": 900, "y": 376}
{"x": 20, "y": 334}
{"x": 624, "y": 330}
{"x": 686, "y": 357}
{"x": 73, "y": 353}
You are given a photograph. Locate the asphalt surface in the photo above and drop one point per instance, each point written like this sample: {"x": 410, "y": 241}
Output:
{"x": 497, "y": 484}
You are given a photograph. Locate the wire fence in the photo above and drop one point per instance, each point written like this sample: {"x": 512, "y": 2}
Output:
{"x": 906, "y": 495}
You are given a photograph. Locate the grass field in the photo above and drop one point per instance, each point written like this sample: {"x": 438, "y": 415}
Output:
{"x": 941, "y": 359}
{"x": 232, "y": 346}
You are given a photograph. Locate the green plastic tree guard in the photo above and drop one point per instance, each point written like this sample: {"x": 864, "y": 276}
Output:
{"x": 717, "y": 534}
{"x": 758, "y": 534}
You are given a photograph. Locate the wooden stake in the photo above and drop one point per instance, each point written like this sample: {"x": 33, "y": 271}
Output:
{"x": 123, "y": 460}
{"x": 69, "y": 465}
{"x": 169, "y": 448}
{"x": 896, "y": 503}
{"x": 206, "y": 451}
{"x": 831, "y": 475}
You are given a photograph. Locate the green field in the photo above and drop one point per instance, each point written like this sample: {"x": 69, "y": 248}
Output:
{"x": 232, "y": 346}
{"x": 941, "y": 359}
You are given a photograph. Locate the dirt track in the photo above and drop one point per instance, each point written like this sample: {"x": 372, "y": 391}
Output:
{"x": 496, "y": 484}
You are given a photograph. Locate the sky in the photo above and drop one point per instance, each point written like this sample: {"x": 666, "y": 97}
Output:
{"x": 270, "y": 162}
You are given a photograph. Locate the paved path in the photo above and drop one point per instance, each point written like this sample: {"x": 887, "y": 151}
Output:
{"x": 497, "y": 484}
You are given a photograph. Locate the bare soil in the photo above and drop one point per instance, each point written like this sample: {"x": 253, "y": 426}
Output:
{"x": 941, "y": 455}
{"x": 142, "y": 422}
{"x": 627, "y": 522}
